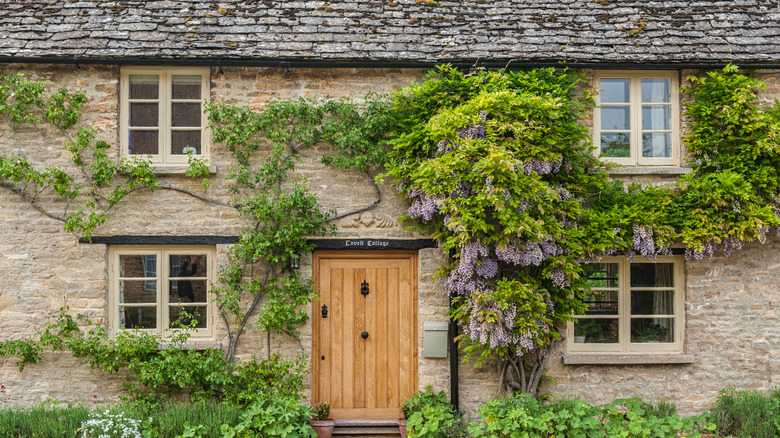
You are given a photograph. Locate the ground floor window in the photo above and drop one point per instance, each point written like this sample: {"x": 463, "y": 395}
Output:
{"x": 159, "y": 288}
{"x": 632, "y": 307}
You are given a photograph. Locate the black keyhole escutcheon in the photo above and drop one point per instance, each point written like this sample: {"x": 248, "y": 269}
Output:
{"x": 324, "y": 311}
{"x": 364, "y": 288}
{"x": 364, "y": 335}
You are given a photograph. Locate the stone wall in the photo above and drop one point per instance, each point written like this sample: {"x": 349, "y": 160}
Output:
{"x": 731, "y": 304}
{"x": 732, "y": 327}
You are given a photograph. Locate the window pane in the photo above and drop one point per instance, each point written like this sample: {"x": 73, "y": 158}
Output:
{"x": 652, "y": 330}
{"x": 186, "y": 315}
{"x": 143, "y": 142}
{"x": 184, "y": 265}
{"x": 652, "y": 274}
{"x": 601, "y": 302}
{"x": 188, "y": 291}
{"x": 137, "y": 265}
{"x": 596, "y": 331}
{"x": 655, "y": 302}
{"x": 615, "y": 145}
{"x": 144, "y": 86}
{"x": 186, "y": 86}
{"x": 656, "y": 117}
{"x": 614, "y": 90}
{"x": 657, "y": 145}
{"x": 137, "y": 291}
{"x": 183, "y": 142}
{"x": 656, "y": 90}
{"x": 602, "y": 274}
{"x": 143, "y": 114}
{"x": 185, "y": 114}
{"x": 616, "y": 117}
{"x": 137, "y": 317}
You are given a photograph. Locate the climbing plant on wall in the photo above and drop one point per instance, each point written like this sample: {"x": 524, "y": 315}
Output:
{"x": 498, "y": 168}
{"x": 257, "y": 285}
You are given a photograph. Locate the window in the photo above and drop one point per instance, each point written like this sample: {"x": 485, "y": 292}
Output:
{"x": 632, "y": 308}
{"x": 153, "y": 288}
{"x": 161, "y": 113}
{"x": 637, "y": 118}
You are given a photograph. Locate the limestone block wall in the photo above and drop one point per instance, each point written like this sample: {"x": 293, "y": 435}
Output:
{"x": 45, "y": 268}
{"x": 732, "y": 327}
{"x": 731, "y": 303}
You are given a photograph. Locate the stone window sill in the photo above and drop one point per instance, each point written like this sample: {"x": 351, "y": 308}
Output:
{"x": 192, "y": 344}
{"x": 649, "y": 170}
{"x": 176, "y": 170}
{"x": 627, "y": 359}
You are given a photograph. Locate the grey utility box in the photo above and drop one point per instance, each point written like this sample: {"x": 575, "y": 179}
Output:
{"x": 435, "y": 339}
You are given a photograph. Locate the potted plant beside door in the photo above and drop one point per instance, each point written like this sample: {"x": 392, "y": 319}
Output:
{"x": 320, "y": 422}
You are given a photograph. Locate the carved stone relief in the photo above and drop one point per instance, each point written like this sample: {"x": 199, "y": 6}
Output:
{"x": 368, "y": 220}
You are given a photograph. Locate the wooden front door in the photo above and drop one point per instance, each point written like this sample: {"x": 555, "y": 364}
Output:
{"x": 364, "y": 353}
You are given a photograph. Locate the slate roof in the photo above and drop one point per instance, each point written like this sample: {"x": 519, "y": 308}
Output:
{"x": 599, "y": 31}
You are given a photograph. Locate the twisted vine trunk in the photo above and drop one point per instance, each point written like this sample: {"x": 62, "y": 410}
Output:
{"x": 523, "y": 373}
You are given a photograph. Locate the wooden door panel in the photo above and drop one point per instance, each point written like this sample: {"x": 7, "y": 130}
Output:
{"x": 372, "y": 377}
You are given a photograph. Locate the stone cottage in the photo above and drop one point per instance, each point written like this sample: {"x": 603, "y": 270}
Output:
{"x": 166, "y": 58}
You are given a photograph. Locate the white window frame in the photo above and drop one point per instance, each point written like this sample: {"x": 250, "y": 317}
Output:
{"x": 164, "y": 99}
{"x": 635, "y": 98}
{"x": 162, "y": 285}
{"x": 624, "y": 345}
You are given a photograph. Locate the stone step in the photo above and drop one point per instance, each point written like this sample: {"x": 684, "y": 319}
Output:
{"x": 366, "y": 428}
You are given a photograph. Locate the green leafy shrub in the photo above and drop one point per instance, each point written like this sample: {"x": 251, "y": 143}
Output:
{"x": 283, "y": 417}
{"x": 429, "y": 415}
{"x": 524, "y": 416}
{"x": 158, "y": 373}
{"x": 752, "y": 414}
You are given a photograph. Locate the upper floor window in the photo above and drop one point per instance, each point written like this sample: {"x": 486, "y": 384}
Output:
{"x": 161, "y": 113}
{"x": 637, "y": 118}
{"x": 160, "y": 288}
{"x": 632, "y": 308}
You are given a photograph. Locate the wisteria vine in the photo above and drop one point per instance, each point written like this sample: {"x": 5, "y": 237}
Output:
{"x": 499, "y": 170}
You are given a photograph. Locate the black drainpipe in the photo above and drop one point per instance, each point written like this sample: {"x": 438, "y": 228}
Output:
{"x": 454, "y": 359}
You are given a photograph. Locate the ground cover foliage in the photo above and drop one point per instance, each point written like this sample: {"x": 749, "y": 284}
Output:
{"x": 748, "y": 414}
{"x": 497, "y": 168}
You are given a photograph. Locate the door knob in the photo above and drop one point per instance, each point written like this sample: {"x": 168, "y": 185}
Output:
{"x": 364, "y": 335}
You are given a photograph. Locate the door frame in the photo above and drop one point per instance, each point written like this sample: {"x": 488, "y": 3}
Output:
{"x": 360, "y": 254}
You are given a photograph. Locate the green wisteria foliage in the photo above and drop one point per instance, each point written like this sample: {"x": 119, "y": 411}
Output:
{"x": 499, "y": 169}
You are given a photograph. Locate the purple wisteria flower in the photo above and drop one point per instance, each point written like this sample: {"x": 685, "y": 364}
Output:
{"x": 559, "y": 278}
{"x": 542, "y": 167}
{"x": 525, "y": 254}
{"x": 473, "y": 131}
{"x": 488, "y": 268}
{"x": 424, "y": 205}
{"x": 643, "y": 241}
{"x": 461, "y": 280}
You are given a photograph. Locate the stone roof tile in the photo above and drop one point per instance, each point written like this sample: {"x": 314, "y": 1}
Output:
{"x": 590, "y": 31}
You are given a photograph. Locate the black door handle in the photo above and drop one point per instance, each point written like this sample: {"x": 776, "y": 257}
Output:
{"x": 364, "y": 335}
